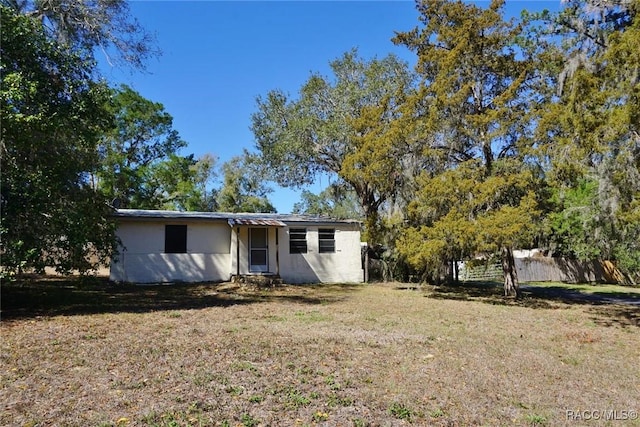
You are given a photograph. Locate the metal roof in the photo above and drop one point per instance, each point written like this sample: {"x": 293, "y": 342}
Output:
{"x": 256, "y": 222}
{"x": 257, "y": 219}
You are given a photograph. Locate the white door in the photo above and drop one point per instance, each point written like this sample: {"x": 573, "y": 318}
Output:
{"x": 258, "y": 250}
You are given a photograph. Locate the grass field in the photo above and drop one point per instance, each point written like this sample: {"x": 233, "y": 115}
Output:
{"x": 85, "y": 354}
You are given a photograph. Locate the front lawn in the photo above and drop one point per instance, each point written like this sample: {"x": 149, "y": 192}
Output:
{"x": 335, "y": 355}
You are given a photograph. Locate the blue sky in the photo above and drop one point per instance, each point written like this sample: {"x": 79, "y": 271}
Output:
{"x": 218, "y": 56}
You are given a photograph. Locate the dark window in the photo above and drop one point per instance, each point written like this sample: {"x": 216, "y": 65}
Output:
{"x": 175, "y": 239}
{"x": 326, "y": 240}
{"x": 298, "y": 241}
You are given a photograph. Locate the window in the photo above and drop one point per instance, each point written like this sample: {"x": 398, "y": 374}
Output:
{"x": 298, "y": 241}
{"x": 326, "y": 240}
{"x": 175, "y": 239}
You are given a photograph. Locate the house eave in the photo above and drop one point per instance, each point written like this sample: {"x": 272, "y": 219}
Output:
{"x": 233, "y": 219}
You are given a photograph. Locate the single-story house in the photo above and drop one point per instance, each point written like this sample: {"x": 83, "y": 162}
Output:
{"x": 167, "y": 246}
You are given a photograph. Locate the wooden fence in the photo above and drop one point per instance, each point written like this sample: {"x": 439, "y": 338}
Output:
{"x": 545, "y": 269}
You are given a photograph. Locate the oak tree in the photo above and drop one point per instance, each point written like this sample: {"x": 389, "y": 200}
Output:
{"x": 335, "y": 201}
{"x": 53, "y": 116}
{"x": 85, "y": 27}
{"x": 319, "y": 133}
{"x": 243, "y": 187}
{"x": 139, "y": 161}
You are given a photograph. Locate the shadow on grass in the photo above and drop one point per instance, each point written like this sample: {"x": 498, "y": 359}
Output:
{"x": 607, "y": 308}
{"x": 54, "y": 296}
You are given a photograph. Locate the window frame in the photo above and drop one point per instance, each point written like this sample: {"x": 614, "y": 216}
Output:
{"x": 298, "y": 245}
{"x": 326, "y": 244}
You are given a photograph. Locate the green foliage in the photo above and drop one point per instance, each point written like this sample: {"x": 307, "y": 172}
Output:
{"x": 249, "y": 421}
{"x": 627, "y": 251}
{"x": 589, "y": 130}
{"x": 184, "y": 183}
{"x": 141, "y": 139}
{"x": 392, "y": 261}
{"x": 52, "y": 118}
{"x": 437, "y": 413}
{"x": 575, "y": 214}
{"x": 256, "y": 398}
{"x": 401, "y": 411}
{"x": 323, "y": 130}
{"x": 84, "y": 27}
{"x": 140, "y": 164}
{"x": 243, "y": 188}
{"x": 536, "y": 420}
{"x": 336, "y": 201}
{"x": 459, "y": 213}
{"x": 295, "y": 398}
{"x": 474, "y": 83}
{"x": 474, "y": 104}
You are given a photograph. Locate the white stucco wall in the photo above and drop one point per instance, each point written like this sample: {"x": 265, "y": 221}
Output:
{"x": 212, "y": 250}
{"x": 142, "y": 258}
{"x": 342, "y": 266}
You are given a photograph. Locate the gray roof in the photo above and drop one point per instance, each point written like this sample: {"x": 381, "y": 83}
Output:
{"x": 232, "y": 218}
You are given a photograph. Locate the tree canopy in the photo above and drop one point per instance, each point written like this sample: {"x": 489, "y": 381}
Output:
{"x": 474, "y": 84}
{"x": 243, "y": 188}
{"x": 83, "y": 26}
{"x": 139, "y": 152}
{"x": 511, "y": 133}
{"x": 588, "y": 129}
{"x": 53, "y": 116}
{"x": 331, "y": 121}
{"x": 335, "y": 201}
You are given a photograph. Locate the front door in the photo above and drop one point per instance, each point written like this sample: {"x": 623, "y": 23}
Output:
{"x": 258, "y": 250}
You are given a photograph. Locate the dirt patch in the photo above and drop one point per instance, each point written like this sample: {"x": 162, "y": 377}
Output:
{"x": 333, "y": 355}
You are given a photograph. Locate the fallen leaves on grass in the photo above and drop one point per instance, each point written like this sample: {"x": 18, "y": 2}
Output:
{"x": 340, "y": 355}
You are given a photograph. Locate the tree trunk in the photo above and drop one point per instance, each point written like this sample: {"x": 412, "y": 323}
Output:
{"x": 456, "y": 272}
{"x": 488, "y": 158}
{"x": 511, "y": 286}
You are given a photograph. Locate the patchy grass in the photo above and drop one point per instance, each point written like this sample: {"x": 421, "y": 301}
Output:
{"x": 618, "y": 304}
{"x": 592, "y": 287}
{"x": 602, "y": 290}
{"x": 80, "y": 354}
